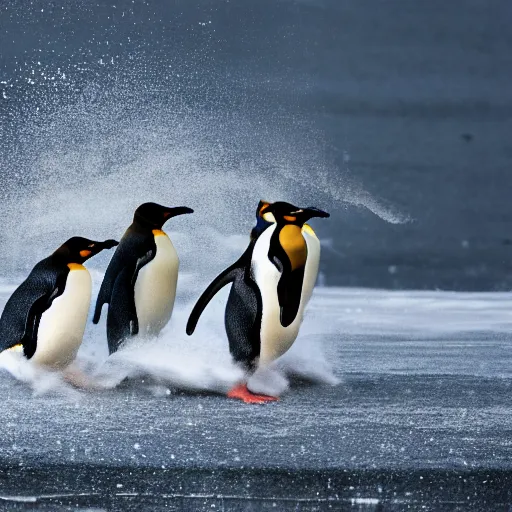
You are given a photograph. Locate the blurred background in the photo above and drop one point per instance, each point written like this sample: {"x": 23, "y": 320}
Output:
{"x": 395, "y": 116}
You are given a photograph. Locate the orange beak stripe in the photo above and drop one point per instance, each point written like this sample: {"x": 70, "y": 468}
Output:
{"x": 289, "y": 218}
{"x": 84, "y": 254}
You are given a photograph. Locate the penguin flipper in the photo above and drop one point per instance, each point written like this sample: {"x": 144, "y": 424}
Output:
{"x": 224, "y": 278}
{"x": 122, "y": 319}
{"x": 126, "y": 255}
{"x": 115, "y": 267}
{"x": 40, "y": 305}
{"x": 289, "y": 294}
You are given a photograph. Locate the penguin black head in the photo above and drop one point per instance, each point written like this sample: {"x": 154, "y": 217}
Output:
{"x": 79, "y": 250}
{"x": 263, "y": 220}
{"x": 155, "y": 215}
{"x": 286, "y": 213}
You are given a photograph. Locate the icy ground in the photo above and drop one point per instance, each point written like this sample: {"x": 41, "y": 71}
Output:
{"x": 389, "y": 398}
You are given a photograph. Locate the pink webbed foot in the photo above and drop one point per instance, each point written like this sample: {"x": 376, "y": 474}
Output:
{"x": 241, "y": 392}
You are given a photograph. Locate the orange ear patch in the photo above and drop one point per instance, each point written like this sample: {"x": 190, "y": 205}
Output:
{"x": 158, "y": 232}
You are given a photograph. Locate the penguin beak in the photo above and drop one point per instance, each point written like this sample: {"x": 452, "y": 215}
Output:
{"x": 96, "y": 247}
{"x": 315, "y": 212}
{"x": 108, "y": 244}
{"x": 179, "y": 210}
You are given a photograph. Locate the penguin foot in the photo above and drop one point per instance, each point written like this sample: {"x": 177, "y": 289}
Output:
{"x": 77, "y": 378}
{"x": 241, "y": 392}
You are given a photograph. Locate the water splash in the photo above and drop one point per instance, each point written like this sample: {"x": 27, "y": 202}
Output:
{"x": 172, "y": 361}
{"x": 41, "y": 380}
{"x": 81, "y": 153}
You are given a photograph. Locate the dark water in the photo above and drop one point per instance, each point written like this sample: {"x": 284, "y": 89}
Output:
{"x": 403, "y": 106}
{"x": 159, "y": 490}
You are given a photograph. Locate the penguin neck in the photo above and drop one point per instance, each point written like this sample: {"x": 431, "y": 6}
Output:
{"x": 142, "y": 226}
{"x": 289, "y": 237}
{"x": 158, "y": 232}
{"x": 260, "y": 227}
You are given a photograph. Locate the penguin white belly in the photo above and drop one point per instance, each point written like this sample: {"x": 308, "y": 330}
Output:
{"x": 155, "y": 288}
{"x": 62, "y": 326}
{"x": 276, "y": 339}
{"x": 312, "y": 262}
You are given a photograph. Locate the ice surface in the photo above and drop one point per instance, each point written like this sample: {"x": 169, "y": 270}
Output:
{"x": 414, "y": 313}
{"x": 427, "y": 392}
{"x": 457, "y": 325}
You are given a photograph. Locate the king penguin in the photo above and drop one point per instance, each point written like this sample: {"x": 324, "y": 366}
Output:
{"x": 45, "y": 317}
{"x": 271, "y": 284}
{"x": 140, "y": 282}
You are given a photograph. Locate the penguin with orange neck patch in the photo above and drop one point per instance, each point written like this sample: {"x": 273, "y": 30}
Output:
{"x": 271, "y": 285}
{"x": 46, "y": 315}
{"x": 140, "y": 282}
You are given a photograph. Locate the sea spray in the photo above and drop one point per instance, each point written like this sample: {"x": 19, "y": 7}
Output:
{"x": 173, "y": 360}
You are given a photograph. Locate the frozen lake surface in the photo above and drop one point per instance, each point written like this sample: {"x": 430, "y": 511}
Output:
{"x": 421, "y": 416}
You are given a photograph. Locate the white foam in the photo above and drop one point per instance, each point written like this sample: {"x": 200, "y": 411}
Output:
{"x": 202, "y": 362}
{"x": 175, "y": 361}
{"x": 172, "y": 361}
{"x": 41, "y": 380}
